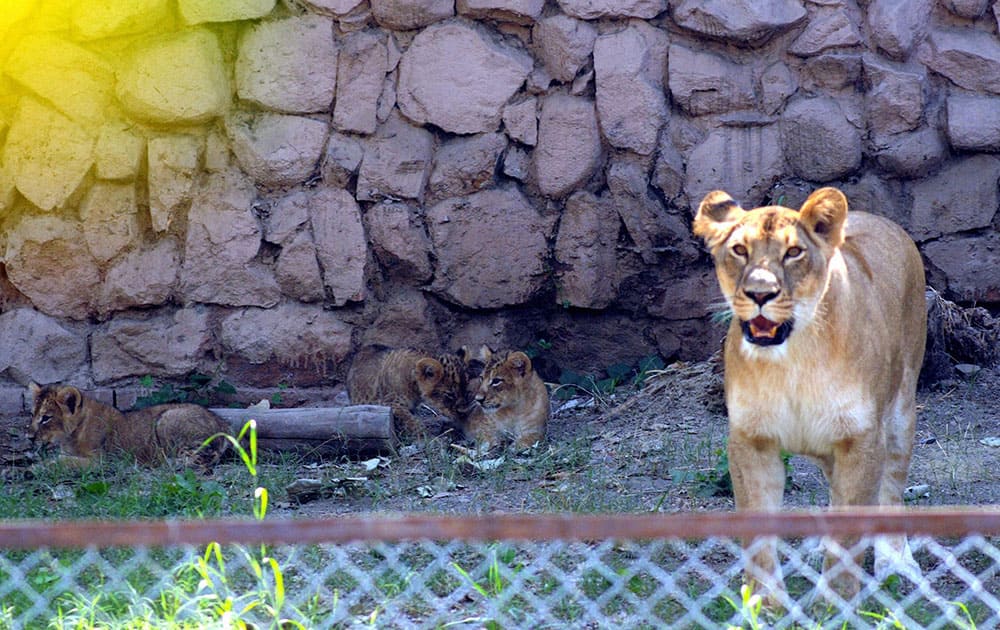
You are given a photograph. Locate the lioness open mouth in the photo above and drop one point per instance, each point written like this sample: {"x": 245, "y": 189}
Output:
{"x": 763, "y": 332}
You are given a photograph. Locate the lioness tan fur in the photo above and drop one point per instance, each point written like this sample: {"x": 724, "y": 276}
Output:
{"x": 87, "y": 430}
{"x": 403, "y": 378}
{"x": 821, "y": 358}
{"x": 512, "y": 402}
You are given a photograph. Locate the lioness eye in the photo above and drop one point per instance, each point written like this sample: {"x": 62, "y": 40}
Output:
{"x": 740, "y": 250}
{"x": 793, "y": 252}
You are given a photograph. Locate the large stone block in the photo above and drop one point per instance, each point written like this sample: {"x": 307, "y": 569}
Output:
{"x": 175, "y": 79}
{"x": 276, "y": 149}
{"x": 897, "y": 25}
{"x": 465, "y": 165}
{"x": 520, "y": 121}
{"x": 818, "y": 141}
{"x": 596, "y": 9}
{"x": 161, "y": 345}
{"x": 586, "y": 252}
{"x": 199, "y": 11}
{"x": 969, "y": 265}
{"x": 146, "y": 276}
{"x": 743, "y": 161}
{"x": 297, "y": 269}
{"x": 109, "y": 213}
{"x": 74, "y": 80}
{"x": 35, "y": 346}
{"x": 517, "y": 11}
{"x": 962, "y": 196}
{"x": 98, "y": 19}
{"x": 396, "y": 163}
{"x": 564, "y": 45}
{"x": 405, "y": 15}
{"x": 223, "y": 238}
{"x": 51, "y": 265}
{"x": 569, "y": 144}
{"x": 341, "y": 247}
{"x": 968, "y": 58}
{"x": 47, "y": 154}
{"x": 400, "y": 241}
{"x": 293, "y": 335}
{"x": 743, "y": 21}
{"x": 828, "y": 27}
{"x": 910, "y": 154}
{"x": 706, "y": 83}
{"x": 458, "y": 77}
{"x": 172, "y": 171}
{"x": 364, "y": 62}
{"x": 288, "y": 65}
{"x": 629, "y": 66}
{"x": 118, "y": 153}
{"x": 476, "y": 237}
{"x": 973, "y": 122}
{"x": 894, "y": 101}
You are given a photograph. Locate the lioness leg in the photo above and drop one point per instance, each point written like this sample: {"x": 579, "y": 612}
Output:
{"x": 856, "y": 462}
{"x": 759, "y": 484}
{"x": 892, "y": 553}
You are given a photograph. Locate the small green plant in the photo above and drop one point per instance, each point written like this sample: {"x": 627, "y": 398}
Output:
{"x": 601, "y": 385}
{"x": 717, "y": 481}
{"x": 200, "y": 389}
{"x": 749, "y": 608}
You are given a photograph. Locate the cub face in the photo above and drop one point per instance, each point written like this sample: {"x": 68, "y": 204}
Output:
{"x": 441, "y": 383}
{"x": 503, "y": 380}
{"x": 772, "y": 262}
{"x": 54, "y": 413}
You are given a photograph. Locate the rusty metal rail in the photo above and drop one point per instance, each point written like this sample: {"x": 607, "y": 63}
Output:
{"x": 511, "y": 527}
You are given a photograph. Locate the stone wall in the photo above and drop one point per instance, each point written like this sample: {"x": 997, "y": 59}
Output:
{"x": 255, "y": 188}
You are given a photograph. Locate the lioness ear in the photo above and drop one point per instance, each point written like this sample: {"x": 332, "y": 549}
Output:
{"x": 520, "y": 363}
{"x": 825, "y": 212}
{"x": 717, "y": 215}
{"x": 70, "y": 398}
{"x": 429, "y": 370}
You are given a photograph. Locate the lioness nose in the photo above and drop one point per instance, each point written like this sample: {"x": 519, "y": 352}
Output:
{"x": 761, "y": 297}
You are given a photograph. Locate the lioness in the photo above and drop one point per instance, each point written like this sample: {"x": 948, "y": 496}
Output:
{"x": 86, "y": 430}
{"x": 821, "y": 359}
{"x": 512, "y": 402}
{"x": 402, "y": 378}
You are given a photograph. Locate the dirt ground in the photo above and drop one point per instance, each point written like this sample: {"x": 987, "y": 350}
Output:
{"x": 657, "y": 448}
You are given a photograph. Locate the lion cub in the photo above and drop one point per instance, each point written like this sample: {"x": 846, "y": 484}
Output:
{"x": 86, "y": 430}
{"x": 821, "y": 359}
{"x": 403, "y": 378}
{"x": 512, "y": 402}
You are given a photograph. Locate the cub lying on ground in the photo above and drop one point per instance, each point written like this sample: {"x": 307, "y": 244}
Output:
{"x": 821, "y": 359}
{"x": 512, "y": 402}
{"x": 403, "y": 378}
{"x": 86, "y": 430}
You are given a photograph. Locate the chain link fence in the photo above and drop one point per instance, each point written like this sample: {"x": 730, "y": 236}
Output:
{"x": 492, "y": 571}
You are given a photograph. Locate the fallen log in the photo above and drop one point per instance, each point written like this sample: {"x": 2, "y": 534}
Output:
{"x": 318, "y": 431}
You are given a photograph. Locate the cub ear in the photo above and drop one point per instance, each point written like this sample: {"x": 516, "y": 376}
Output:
{"x": 469, "y": 354}
{"x": 716, "y": 216}
{"x": 519, "y": 363}
{"x": 429, "y": 370}
{"x": 824, "y": 213}
{"x": 70, "y": 398}
{"x": 34, "y": 389}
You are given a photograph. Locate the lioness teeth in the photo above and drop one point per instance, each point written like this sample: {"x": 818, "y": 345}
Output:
{"x": 760, "y": 326}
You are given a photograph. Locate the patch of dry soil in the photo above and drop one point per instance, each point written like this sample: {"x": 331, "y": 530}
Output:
{"x": 658, "y": 449}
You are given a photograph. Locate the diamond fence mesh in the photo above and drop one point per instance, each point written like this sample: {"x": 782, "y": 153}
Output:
{"x": 496, "y": 571}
